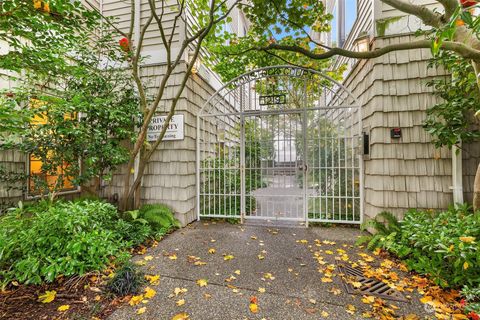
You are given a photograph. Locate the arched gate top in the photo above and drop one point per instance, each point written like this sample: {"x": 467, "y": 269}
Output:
{"x": 238, "y": 92}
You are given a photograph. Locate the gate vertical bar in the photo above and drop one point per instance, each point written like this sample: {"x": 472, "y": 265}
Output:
{"x": 198, "y": 168}
{"x": 305, "y": 154}
{"x": 242, "y": 156}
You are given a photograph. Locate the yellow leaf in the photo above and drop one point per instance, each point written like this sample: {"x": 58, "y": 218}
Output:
{"x": 135, "y": 300}
{"x": 141, "y": 310}
{"x": 153, "y": 279}
{"x": 426, "y": 299}
{"x": 237, "y": 272}
{"x": 37, "y": 4}
{"x": 253, "y": 308}
{"x": 202, "y": 282}
{"x": 212, "y": 250}
{"x": 356, "y": 284}
{"x": 465, "y": 265}
{"x": 325, "y": 279}
{"x": 260, "y": 257}
{"x": 268, "y": 275}
{"x": 64, "y": 307}
{"x": 148, "y": 258}
{"x": 228, "y": 257}
{"x": 149, "y": 293}
{"x": 368, "y": 299}
{"x": 312, "y": 301}
{"x": 328, "y": 251}
{"x": 47, "y": 297}
{"x": 173, "y": 256}
{"x": 180, "y": 302}
{"x": 324, "y": 314}
{"x": 351, "y": 308}
{"x": 181, "y": 316}
{"x": 261, "y": 290}
{"x": 335, "y": 291}
{"x": 467, "y": 239}
{"x": 178, "y": 291}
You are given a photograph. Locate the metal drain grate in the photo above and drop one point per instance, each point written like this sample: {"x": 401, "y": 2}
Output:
{"x": 369, "y": 286}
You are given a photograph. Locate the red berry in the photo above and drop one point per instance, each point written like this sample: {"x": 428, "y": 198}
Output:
{"x": 124, "y": 44}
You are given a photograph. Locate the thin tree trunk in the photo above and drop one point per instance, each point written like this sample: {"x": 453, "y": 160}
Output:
{"x": 476, "y": 190}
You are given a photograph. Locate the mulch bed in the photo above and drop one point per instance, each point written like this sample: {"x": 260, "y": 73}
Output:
{"x": 86, "y": 297}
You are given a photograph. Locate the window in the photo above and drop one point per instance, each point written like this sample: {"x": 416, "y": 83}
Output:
{"x": 38, "y": 180}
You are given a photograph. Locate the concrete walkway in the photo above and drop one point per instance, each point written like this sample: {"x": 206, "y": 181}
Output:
{"x": 283, "y": 261}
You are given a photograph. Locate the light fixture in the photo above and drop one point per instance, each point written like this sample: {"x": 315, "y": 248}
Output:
{"x": 362, "y": 43}
{"x": 196, "y": 62}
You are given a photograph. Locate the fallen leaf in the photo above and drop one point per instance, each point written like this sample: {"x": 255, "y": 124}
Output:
{"x": 260, "y": 257}
{"x": 141, "y": 310}
{"x": 64, "y": 307}
{"x": 325, "y": 279}
{"x": 335, "y": 291}
{"x": 153, "y": 279}
{"x": 180, "y": 302}
{"x": 253, "y": 308}
{"x": 467, "y": 239}
{"x": 368, "y": 299}
{"x": 324, "y": 314}
{"x": 351, "y": 308}
{"x": 47, "y": 297}
{"x": 212, "y": 250}
{"x": 312, "y": 301}
{"x": 269, "y": 276}
{"x": 149, "y": 293}
{"x": 261, "y": 290}
{"x": 173, "y": 256}
{"x": 228, "y": 257}
{"x": 202, "y": 282}
{"x": 135, "y": 300}
{"x": 148, "y": 258}
{"x": 178, "y": 291}
{"x": 237, "y": 272}
{"x": 181, "y": 316}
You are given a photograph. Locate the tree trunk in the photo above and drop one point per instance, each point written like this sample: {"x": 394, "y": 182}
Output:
{"x": 476, "y": 190}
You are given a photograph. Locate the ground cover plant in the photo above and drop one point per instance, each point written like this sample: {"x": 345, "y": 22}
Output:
{"x": 42, "y": 241}
{"x": 443, "y": 245}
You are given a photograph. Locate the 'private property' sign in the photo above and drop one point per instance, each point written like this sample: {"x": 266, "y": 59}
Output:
{"x": 175, "y": 129}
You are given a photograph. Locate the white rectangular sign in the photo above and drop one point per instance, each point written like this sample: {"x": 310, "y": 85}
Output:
{"x": 174, "y": 130}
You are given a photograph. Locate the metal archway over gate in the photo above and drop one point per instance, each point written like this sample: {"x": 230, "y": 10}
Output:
{"x": 281, "y": 143}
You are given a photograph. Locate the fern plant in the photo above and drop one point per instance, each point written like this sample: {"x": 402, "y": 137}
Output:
{"x": 159, "y": 216}
{"x": 386, "y": 227}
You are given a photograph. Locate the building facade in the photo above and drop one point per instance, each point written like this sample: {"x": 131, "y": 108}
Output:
{"x": 402, "y": 170}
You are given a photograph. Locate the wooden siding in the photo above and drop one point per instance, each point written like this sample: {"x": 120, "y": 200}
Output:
{"x": 408, "y": 172}
{"x": 170, "y": 174}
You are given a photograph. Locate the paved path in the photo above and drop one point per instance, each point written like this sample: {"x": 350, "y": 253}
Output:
{"x": 289, "y": 272}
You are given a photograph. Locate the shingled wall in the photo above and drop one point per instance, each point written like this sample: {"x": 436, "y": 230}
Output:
{"x": 408, "y": 172}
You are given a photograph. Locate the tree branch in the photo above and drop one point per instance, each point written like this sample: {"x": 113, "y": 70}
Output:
{"x": 428, "y": 17}
{"x": 450, "y": 6}
{"x": 460, "y": 48}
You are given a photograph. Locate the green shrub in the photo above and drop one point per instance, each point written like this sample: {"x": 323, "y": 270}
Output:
{"x": 443, "y": 245}
{"x": 386, "y": 227}
{"x": 42, "y": 241}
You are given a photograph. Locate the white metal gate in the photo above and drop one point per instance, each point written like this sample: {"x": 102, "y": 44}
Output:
{"x": 280, "y": 143}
